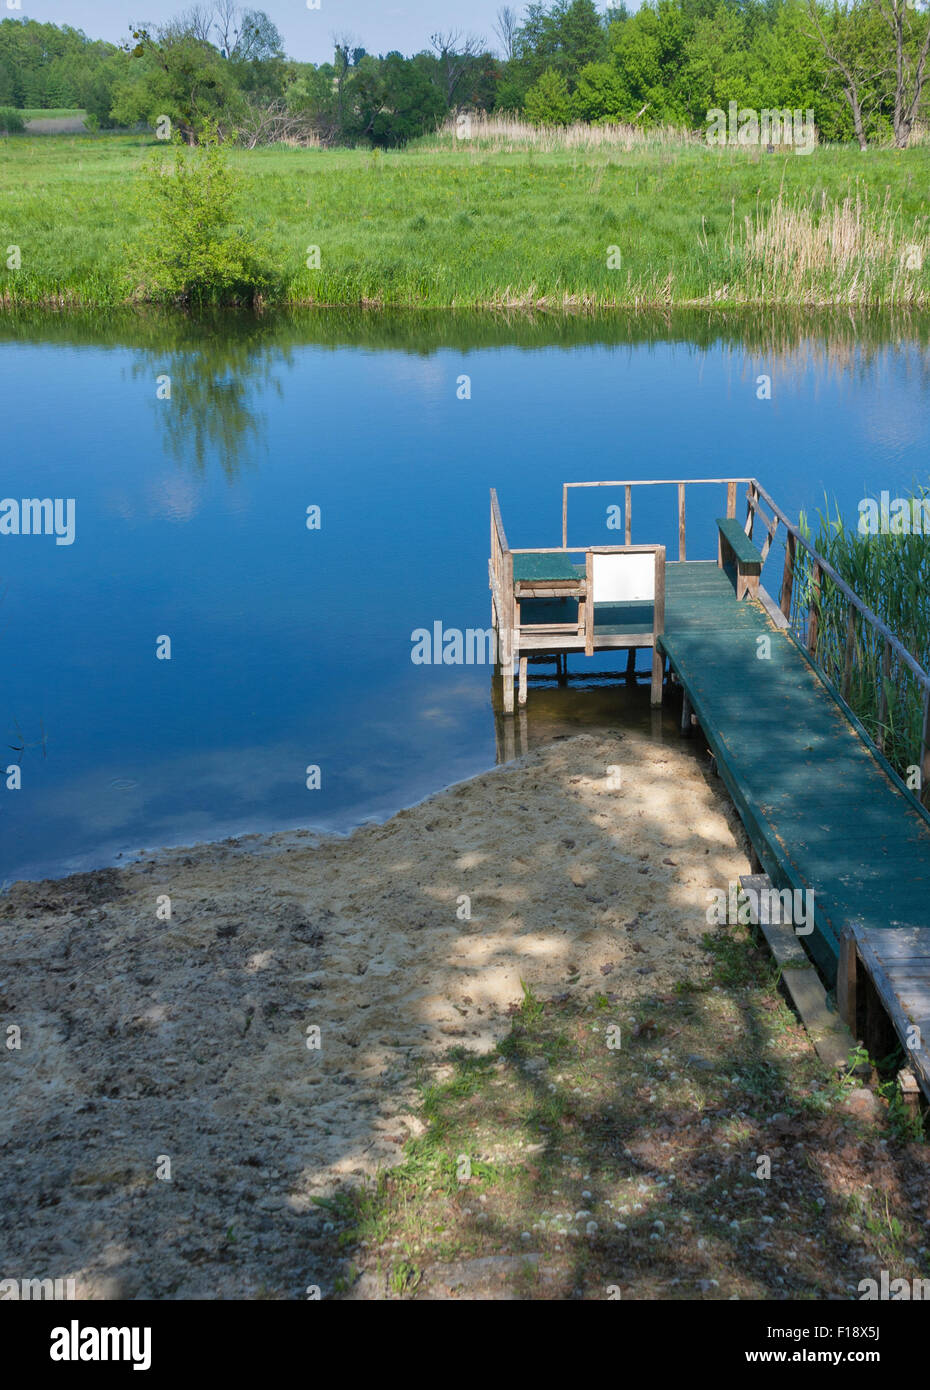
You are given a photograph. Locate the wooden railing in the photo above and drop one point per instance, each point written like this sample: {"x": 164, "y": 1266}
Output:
{"x": 883, "y": 683}
{"x": 846, "y": 646}
{"x": 680, "y": 483}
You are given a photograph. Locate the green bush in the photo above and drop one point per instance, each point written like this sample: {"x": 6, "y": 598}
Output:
{"x": 11, "y": 122}
{"x": 193, "y": 251}
{"x": 548, "y": 101}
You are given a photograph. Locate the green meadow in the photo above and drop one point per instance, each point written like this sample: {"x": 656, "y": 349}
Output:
{"x": 443, "y": 224}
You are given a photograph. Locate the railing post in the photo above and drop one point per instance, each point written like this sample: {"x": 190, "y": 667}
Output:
{"x": 750, "y": 509}
{"x": 924, "y": 795}
{"x": 787, "y": 584}
{"x": 681, "y": 521}
{"x": 731, "y": 500}
{"x": 628, "y": 499}
{"x": 564, "y": 516}
{"x": 813, "y": 612}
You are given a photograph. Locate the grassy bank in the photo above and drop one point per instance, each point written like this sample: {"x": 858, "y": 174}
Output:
{"x": 459, "y": 225}
{"x": 569, "y": 1165}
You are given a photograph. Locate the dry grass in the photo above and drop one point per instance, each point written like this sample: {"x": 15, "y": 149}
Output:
{"x": 508, "y": 133}
{"x": 814, "y": 249}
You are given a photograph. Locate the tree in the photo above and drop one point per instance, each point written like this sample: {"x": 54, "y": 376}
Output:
{"x": 505, "y": 27}
{"x": 179, "y": 76}
{"x": 600, "y": 94}
{"x": 851, "y": 58}
{"x": 410, "y": 103}
{"x": 194, "y": 251}
{"x": 454, "y": 53}
{"x": 548, "y": 101}
{"x": 910, "y": 48}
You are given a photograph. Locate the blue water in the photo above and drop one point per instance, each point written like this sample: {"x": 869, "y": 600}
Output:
{"x": 292, "y": 647}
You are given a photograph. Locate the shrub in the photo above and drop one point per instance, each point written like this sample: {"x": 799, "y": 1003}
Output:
{"x": 11, "y": 122}
{"x": 548, "y": 101}
{"x": 194, "y": 252}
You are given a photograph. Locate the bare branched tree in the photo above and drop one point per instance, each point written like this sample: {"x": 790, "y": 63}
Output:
{"x": 505, "y": 27}
{"x": 198, "y": 21}
{"x": 345, "y": 46}
{"x": 227, "y": 21}
{"x": 267, "y": 123}
{"x": 841, "y": 52}
{"x": 455, "y": 52}
{"x": 910, "y": 64}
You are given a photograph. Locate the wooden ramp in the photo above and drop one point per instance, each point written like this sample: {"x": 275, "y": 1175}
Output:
{"x": 822, "y": 808}
{"x": 826, "y": 814}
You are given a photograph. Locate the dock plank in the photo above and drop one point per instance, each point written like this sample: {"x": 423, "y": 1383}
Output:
{"x": 824, "y": 811}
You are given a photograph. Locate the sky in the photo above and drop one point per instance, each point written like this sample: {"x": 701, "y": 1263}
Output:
{"x": 307, "y": 34}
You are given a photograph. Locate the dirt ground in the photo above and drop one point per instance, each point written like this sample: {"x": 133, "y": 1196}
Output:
{"x": 151, "y": 1047}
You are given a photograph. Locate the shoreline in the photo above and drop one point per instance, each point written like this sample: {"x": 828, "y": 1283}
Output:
{"x": 189, "y": 1036}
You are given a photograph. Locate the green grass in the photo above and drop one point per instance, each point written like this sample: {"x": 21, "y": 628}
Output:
{"x": 632, "y": 1162}
{"x": 430, "y": 227}
{"x": 57, "y": 113}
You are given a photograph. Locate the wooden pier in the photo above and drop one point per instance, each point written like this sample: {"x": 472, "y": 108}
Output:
{"x": 824, "y": 810}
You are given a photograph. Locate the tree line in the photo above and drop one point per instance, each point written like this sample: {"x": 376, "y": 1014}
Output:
{"x": 860, "y": 66}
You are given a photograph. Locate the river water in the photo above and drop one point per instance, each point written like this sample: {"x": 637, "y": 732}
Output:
{"x": 192, "y": 452}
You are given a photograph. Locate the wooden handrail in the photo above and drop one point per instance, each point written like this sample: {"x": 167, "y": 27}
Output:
{"x": 629, "y": 483}
{"x": 498, "y": 520}
{"x": 825, "y": 568}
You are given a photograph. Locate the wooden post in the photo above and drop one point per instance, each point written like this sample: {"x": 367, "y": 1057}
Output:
{"x": 628, "y": 511}
{"x": 813, "y": 612}
{"x": 731, "y": 499}
{"x": 925, "y": 752}
{"x": 588, "y": 603}
{"x": 750, "y": 509}
{"x": 564, "y": 516}
{"x": 658, "y": 626}
{"x": 846, "y": 981}
{"x": 681, "y": 521}
{"x": 507, "y": 660}
{"x": 787, "y": 583}
{"x": 522, "y": 694}
{"x": 686, "y": 725}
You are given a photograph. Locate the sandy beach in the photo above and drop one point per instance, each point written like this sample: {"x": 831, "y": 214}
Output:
{"x": 192, "y": 1038}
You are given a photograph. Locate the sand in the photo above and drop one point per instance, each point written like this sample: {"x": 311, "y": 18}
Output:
{"x": 180, "y": 1046}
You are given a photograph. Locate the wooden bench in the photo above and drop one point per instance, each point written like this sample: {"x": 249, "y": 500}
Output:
{"x": 735, "y": 548}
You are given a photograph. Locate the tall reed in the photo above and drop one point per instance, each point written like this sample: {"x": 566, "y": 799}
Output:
{"x": 503, "y": 131}
{"x": 810, "y": 249}
{"x": 891, "y": 574}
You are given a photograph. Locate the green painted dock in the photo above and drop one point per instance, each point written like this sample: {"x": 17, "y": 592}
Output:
{"x": 821, "y": 805}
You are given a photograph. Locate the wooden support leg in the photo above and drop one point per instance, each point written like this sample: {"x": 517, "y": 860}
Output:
{"x": 658, "y": 673}
{"x": 685, "y": 715}
{"x": 631, "y": 664}
{"x": 508, "y": 657}
{"x": 846, "y": 982}
{"x": 522, "y": 695}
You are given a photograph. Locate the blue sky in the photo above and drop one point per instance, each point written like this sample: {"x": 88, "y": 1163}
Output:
{"x": 307, "y": 34}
